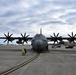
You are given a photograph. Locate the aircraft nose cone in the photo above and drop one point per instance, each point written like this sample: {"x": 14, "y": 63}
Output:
{"x": 38, "y": 44}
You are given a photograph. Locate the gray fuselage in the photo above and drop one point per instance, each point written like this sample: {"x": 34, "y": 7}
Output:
{"x": 39, "y": 42}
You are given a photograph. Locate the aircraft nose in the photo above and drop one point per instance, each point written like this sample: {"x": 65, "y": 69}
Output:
{"x": 38, "y": 44}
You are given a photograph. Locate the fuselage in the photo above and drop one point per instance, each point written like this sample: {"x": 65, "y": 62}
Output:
{"x": 39, "y": 42}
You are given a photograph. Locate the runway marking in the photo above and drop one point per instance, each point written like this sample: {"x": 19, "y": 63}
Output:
{"x": 20, "y": 65}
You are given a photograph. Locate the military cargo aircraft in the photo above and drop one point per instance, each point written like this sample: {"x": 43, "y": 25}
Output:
{"x": 39, "y": 42}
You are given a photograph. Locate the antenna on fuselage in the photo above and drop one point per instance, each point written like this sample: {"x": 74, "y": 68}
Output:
{"x": 40, "y": 30}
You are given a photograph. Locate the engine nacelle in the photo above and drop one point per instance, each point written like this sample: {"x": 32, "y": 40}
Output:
{"x": 19, "y": 42}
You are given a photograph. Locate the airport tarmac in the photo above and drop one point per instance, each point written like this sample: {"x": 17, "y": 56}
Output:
{"x": 58, "y": 61}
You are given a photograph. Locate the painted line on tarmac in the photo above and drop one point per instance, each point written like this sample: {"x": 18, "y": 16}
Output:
{"x": 20, "y": 65}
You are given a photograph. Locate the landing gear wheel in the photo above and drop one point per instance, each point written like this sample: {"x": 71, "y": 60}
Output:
{"x": 38, "y": 51}
{"x": 47, "y": 48}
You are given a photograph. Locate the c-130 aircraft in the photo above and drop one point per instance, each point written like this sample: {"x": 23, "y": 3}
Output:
{"x": 39, "y": 42}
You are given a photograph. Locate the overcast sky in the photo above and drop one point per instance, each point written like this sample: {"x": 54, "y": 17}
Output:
{"x": 20, "y": 16}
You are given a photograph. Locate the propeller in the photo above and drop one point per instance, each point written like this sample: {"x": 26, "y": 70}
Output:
{"x": 55, "y": 38}
{"x": 8, "y": 37}
{"x": 24, "y": 37}
{"x": 72, "y": 37}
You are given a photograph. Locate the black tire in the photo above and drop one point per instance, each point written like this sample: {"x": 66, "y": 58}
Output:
{"x": 38, "y": 51}
{"x": 46, "y": 49}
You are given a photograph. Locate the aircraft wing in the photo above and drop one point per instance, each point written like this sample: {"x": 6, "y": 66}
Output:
{"x": 21, "y": 40}
{"x": 24, "y": 38}
{"x": 61, "y": 39}
{"x": 56, "y": 38}
{"x": 29, "y": 38}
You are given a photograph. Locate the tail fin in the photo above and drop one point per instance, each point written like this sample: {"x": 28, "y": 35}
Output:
{"x": 40, "y": 30}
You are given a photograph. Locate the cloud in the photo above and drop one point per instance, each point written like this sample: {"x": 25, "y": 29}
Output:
{"x": 20, "y": 16}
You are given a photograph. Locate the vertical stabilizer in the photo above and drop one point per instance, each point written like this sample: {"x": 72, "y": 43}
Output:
{"x": 40, "y": 30}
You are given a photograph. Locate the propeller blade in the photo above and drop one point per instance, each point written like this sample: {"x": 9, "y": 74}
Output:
{"x": 57, "y": 41}
{"x": 5, "y": 40}
{"x": 8, "y": 33}
{"x": 11, "y": 35}
{"x": 5, "y": 35}
{"x": 27, "y": 36}
{"x": 69, "y": 35}
{"x": 8, "y": 38}
{"x": 54, "y": 42}
{"x": 26, "y": 42}
{"x": 72, "y": 34}
{"x": 57, "y": 34}
{"x": 54, "y": 34}
{"x": 51, "y": 36}
{"x": 22, "y": 35}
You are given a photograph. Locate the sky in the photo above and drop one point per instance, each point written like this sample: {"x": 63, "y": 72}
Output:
{"x": 20, "y": 16}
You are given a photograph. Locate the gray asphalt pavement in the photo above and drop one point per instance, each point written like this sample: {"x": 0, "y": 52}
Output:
{"x": 55, "y": 62}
